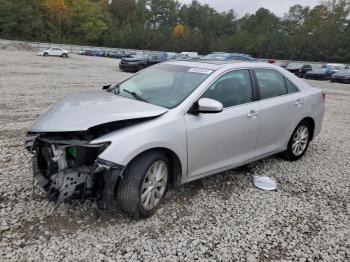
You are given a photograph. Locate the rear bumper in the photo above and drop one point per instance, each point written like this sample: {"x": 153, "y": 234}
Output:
{"x": 318, "y": 122}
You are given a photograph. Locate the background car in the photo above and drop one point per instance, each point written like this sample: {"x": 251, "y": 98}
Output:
{"x": 81, "y": 52}
{"x": 171, "y": 55}
{"x": 88, "y": 52}
{"x": 343, "y": 76}
{"x": 188, "y": 55}
{"x": 282, "y": 64}
{"x": 54, "y": 51}
{"x": 217, "y": 56}
{"x": 305, "y": 68}
{"x": 121, "y": 54}
{"x": 242, "y": 57}
{"x": 294, "y": 68}
{"x": 140, "y": 61}
{"x": 228, "y": 56}
{"x": 323, "y": 72}
{"x": 96, "y": 52}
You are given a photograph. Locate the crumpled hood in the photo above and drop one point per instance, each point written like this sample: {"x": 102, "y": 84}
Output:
{"x": 79, "y": 112}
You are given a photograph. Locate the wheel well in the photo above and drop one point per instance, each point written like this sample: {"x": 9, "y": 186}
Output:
{"x": 311, "y": 122}
{"x": 175, "y": 168}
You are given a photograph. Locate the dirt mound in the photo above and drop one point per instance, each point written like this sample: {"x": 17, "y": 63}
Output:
{"x": 17, "y": 47}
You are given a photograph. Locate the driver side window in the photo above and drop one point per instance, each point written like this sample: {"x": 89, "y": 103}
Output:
{"x": 232, "y": 89}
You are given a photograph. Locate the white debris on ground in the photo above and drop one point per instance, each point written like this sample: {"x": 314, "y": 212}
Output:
{"x": 223, "y": 217}
{"x": 265, "y": 183}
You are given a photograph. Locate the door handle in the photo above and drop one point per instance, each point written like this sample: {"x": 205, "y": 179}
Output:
{"x": 252, "y": 114}
{"x": 299, "y": 103}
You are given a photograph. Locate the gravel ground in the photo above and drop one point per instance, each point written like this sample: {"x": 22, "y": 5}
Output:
{"x": 223, "y": 217}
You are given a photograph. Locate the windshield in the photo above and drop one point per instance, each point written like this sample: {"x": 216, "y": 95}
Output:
{"x": 140, "y": 56}
{"x": 317, "y": 66}
{"x": 216, "y": 57}
{"x": 164, "y": 85}
{"x": 344, "y": 71}
{"x": 335, "y": 67}
{"x": 294, "y": 65}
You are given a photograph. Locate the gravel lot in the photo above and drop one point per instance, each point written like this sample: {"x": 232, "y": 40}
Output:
{"x": 223, "y": 217}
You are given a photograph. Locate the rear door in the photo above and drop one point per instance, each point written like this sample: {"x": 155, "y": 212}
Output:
{"x": 220, "y": 140}
{"x": 280, "y": 109}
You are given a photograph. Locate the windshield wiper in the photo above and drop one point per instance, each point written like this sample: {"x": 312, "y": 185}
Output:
{"x": 135, "y": 95}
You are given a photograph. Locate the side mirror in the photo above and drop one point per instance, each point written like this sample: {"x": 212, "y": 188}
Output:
{"x": 106, "y": 87}
{"x": 207, "y": 105}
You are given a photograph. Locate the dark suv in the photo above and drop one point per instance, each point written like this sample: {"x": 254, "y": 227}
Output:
{"x": 294, "y": 68}
{"x": 140, "y": 61}
{"x": 304, "y": 69}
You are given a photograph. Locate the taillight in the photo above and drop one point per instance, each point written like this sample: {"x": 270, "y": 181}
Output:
{"x": 323, "y": 95}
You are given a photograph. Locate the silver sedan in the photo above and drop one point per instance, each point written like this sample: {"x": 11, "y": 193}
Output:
{"x": 170, "y": 124}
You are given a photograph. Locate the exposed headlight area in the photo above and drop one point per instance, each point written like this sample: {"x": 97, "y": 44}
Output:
{"x": 68, "y": 167}
{"x": 67, "y": 164}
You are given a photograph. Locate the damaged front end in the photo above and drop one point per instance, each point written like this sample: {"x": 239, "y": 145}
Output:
{"x": 66, "y": 165}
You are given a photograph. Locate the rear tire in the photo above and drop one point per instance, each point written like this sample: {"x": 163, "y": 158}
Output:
{"x": 299, "y": 142}
{"x": 145, "y": 182}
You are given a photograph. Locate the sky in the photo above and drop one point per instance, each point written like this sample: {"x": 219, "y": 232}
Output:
{"x": 241, "y": 7}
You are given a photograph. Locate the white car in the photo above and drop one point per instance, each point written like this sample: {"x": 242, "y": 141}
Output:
{"x": 193, "y": 55}
{"x": 54, "y": 51}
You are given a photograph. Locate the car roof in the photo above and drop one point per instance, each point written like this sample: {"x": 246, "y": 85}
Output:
{"x": 218, "y": 64}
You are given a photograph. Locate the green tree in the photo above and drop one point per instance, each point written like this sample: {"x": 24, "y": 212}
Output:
{"x": 87, "y": 22}
{"x": 7, "y": 19}
{"x": 57, "y": 12}
{"x": 122, "y": 8}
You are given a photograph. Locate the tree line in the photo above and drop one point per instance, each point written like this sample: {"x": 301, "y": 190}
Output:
{"x": 321, "y": 33}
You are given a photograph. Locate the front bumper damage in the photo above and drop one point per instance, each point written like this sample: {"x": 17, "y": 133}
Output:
{"x": 67, "y": 166}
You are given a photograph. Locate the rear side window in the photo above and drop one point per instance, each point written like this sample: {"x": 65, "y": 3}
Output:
{"x": 291, "y": 88}
{"x": 271, "y": 83}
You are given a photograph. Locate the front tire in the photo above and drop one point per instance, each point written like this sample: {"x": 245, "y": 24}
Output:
{"x": 145, "y": 182}
{"x": 299, "y": 142}
{"x": 140, "y": 67}
{"x": 64, "y": 55}
{"x": 46, "y": 54}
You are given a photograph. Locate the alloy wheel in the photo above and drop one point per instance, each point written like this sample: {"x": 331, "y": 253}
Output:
{"x": 300, "y": 140}
{"x": 154, "y": 185}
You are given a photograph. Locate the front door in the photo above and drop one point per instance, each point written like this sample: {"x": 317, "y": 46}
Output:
{"x": 222, "y": 140}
